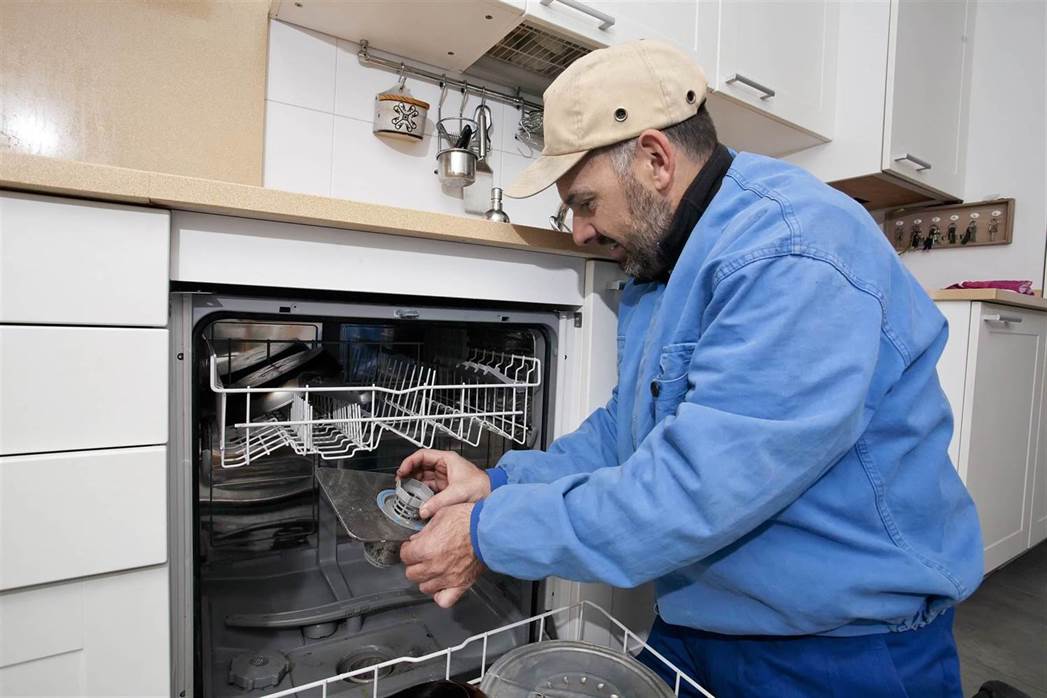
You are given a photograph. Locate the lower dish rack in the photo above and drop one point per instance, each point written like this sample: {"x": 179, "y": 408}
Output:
{"x": 615, "y": 636}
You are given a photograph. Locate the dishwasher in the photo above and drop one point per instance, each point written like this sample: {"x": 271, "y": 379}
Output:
{"x": 284, "y": 412}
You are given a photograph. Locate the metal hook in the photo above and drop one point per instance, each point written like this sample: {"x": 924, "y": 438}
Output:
{"x": 465, "y": 98}
{"x": 440, "y": 104}
{"x": 403, "y": 75}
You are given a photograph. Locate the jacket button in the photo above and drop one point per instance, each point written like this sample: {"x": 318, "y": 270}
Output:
{"x": 655, "y": 388}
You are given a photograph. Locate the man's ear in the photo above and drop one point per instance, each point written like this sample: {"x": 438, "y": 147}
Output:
{"x": 657, "y": 159}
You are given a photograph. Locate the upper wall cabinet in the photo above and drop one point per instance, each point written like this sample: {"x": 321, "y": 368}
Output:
{"x": 902, "y": 102}
{"x": 775, "y": 57}
{"x": 929, "y": 64}
{"x": 770, "y": 65}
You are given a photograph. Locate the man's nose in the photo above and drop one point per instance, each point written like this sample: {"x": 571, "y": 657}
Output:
{"x": 582, "y": 231}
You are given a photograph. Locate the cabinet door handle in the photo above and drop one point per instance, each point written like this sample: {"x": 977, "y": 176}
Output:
{"x": 1002, "y": 318}
{"x": 606, "y": 20}
{"x": 921, "y": 164}
{"x": 738, "y": 77}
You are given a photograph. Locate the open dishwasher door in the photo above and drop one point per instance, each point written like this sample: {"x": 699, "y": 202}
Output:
{"x": 274, "y": 400}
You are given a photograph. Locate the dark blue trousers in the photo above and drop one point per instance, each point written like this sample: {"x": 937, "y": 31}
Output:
{"x": 914, "y": 664}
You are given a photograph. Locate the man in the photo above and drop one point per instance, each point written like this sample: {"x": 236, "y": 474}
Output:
{"x": 774, "y": 454}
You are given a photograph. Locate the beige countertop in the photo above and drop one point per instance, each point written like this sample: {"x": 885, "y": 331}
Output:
{"x": 44, "y": 175}
{"x": 990, "y": 295}
{"x": 106, "y": 183}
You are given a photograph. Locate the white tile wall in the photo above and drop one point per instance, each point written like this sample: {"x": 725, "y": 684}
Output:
{"x": 303, "y": 73}
{"x": 319, "y": 140}
{"x": 298, "y": 148}
{"x": 387, "y": 171}
{"x": 533, "y": 211}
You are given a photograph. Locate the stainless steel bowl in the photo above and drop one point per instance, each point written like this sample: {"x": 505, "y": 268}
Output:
{"x": 456, "y": 167}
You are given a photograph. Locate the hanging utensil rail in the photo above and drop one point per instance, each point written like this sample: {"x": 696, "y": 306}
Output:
{"x": 516, "y": 100}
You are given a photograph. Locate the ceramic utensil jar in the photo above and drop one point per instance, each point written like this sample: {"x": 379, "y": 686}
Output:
{"x": 398, "y": 114}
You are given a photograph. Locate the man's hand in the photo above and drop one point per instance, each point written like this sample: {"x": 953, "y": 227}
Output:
{"x": 440, "y": 559}
{"x": 454, "y": 479}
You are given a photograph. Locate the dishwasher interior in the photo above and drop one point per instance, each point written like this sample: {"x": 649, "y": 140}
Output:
{"x": 283, "y": 592}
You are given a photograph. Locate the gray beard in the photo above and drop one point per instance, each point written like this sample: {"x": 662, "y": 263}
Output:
{"x": 652, "y": 217}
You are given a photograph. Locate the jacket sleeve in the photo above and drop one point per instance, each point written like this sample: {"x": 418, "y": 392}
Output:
{"x": 779, "y": 389}
{"x": 589, "y": 447}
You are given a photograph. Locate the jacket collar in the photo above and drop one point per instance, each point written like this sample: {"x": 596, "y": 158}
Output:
{"x": 695, "y": 201}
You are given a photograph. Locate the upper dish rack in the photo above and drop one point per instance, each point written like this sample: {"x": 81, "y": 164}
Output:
{"x": 488, "y": 391}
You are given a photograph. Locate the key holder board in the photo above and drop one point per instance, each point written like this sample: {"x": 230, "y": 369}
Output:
{"x": 952, "y": 226}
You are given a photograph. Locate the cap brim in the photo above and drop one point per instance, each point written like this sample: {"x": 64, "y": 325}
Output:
{"x": 542, "y": 174}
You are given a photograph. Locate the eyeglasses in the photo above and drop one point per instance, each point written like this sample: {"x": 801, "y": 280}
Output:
{"x": 559, "y": 221}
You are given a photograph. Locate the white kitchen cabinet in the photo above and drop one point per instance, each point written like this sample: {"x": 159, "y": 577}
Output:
{"x": 68, "y": 515}
{"x": 103, "y": 636}
{"x": 1038, "y": 481}
{"x": 69, "y": 262}
{"x": 778, "y": 58}
{"x": 73, "y": 388}
{"x": 902, "y": 89}
{"x": 929, "y": 68}
{"x": 739, "y": 44}
{"x": 1000, "y": 354}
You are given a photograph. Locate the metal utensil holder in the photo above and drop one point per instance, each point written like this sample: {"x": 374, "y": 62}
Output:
{"x": 490, "y": 391}
{"x": 577, "y": 618}
{"x": 455, "y": 166}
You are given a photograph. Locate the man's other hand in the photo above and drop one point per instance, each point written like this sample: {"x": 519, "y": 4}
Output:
{"x": 454, "y": 479}
{"x": 440, "y": 559}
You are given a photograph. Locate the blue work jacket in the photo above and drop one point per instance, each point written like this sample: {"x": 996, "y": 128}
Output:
{"x": 775, "y": 452}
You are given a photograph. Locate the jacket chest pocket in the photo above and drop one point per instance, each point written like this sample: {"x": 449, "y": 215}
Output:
{"x": 670, "y": 385}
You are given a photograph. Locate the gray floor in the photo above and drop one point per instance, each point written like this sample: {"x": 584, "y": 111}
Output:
{"x": 1001, "y": 630}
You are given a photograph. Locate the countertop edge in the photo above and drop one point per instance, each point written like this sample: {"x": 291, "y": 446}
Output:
{"x": 43, "y": 175}
{"x": 990, "y": 295}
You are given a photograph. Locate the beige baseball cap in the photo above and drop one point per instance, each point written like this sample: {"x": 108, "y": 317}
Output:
{"x": 609, "y": 96}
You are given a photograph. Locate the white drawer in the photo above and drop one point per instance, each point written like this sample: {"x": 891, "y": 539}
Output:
{"x": 105, "y": 636}
{"x": 75, "y": 388}
{"x": 70, "y": 262}
{"x": 67, "y": 515}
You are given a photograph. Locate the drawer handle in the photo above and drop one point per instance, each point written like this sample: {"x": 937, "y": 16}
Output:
{"x": 920, "y": 163}
{"x": 738, "y": 77}
{"x": 606, "y": 20}
{"x": 1003, "y": 318}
